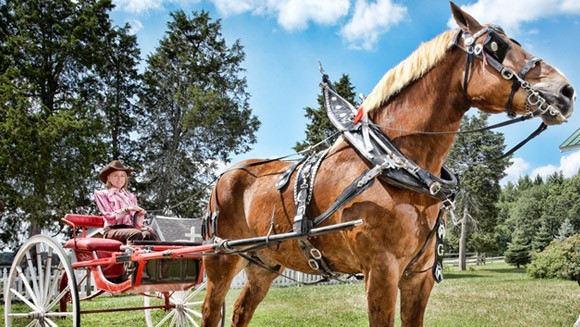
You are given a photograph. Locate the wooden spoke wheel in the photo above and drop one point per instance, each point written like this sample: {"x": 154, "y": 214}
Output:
{"x": 40, "y": 284}
{"x": 183, "y": 308}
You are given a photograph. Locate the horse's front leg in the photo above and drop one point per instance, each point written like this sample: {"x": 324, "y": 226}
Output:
{"x": 381, "y": 290}
{"x": 415, "y": 291}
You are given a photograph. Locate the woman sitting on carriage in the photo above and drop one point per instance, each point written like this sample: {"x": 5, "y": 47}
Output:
{"x": 124, "y": 219}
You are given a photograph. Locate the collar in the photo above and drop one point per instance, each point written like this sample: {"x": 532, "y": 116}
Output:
{"x": 114, "y": 190}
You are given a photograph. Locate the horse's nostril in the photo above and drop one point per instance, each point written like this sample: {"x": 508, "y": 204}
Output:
{"x": 568, "y": 91}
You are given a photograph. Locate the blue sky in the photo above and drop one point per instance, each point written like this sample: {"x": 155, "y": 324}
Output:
{"x": 284, "y": 39}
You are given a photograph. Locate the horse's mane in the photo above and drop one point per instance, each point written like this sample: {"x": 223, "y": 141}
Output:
{"x": 426, "y": 56}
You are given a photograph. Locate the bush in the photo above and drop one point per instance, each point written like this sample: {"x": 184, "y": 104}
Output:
{"x": 558, "y": 260}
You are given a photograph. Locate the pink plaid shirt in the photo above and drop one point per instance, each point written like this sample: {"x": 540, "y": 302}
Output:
{"x": 112, "y": 202}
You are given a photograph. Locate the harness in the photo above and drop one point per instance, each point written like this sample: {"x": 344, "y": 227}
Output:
{"x": 388, "y": 164}
{"x": 393, "y": 167}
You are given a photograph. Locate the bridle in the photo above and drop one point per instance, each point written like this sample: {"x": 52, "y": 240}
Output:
{"x": 492, "y": 51}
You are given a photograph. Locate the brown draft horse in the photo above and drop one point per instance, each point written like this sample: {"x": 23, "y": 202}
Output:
{"x": 425, "y": 92}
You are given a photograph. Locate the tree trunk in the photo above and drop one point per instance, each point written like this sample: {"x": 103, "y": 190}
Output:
{"x": 463, "y": 241}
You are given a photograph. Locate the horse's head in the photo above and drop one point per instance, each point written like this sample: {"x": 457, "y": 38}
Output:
{"x": 501, "y": 76}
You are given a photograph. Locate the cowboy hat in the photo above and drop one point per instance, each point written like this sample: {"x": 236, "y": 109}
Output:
{"x": 113, "y": 166}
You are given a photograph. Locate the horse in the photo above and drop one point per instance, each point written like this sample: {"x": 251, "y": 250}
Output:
{"x": 473, "y": 66}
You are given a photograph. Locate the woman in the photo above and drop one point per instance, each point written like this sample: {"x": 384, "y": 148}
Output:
{"x": 124, "y": 219}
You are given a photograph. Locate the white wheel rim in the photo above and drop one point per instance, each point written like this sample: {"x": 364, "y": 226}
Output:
{"x": 40, "y": 297}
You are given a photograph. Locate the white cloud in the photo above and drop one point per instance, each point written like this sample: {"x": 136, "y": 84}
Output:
{"x": 136, "y": 26}
{"x": 569, "y": 166}
{"x": 291, "y": 14}
{"x": 518, "y": 168}
{"x": 138, "y": 6}
{"x": 295, "y": 14}
{"x": 370, "y": 20}
{"x": 511, "y": 14}
{"x": 230, "y": 8}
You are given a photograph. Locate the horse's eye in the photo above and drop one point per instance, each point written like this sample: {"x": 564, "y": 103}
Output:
{"x": 496, "y": 46}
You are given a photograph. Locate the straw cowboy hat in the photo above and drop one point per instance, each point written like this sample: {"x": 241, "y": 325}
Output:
{"x": 113, "y": 166}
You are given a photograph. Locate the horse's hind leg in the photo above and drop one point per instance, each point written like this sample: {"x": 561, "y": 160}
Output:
{"x": 415, "y": 291}
{"x": 220, "y": 271}
{"x": 256, "y": 288}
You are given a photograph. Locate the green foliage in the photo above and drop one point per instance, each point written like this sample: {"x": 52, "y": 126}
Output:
{"x": 120, "y": 82}
{"x": 319, "y": 126}
{"x": 49, "y": 126}
{"x": 519, "y": 251}
{"x": 566, "y": 230}
{"x": 558, "y": 260}
{"x": 195, "y": 113}
{"x": 540, "y": 211}
{"x": 518, "y": 255}
{"x": 542, "y": 238}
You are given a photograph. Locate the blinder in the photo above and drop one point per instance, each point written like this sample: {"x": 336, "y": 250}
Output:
{"x": 496, "y": 46}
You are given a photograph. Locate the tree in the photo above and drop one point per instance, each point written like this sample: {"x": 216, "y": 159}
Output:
{"x": 49, "y": 128}
{"x": 518, "y": 253}
{"x": 319, "y": 127}
{"x": 542, "y": 238}
{"x": 469, "y": 205}
{"x": 472, "y": 157}
{"x": 120, "y": 82}
{"x": 566, "y": 230}
{"x": 195, "y": 112}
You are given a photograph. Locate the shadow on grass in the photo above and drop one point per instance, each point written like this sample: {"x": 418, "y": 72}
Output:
{"x": 483, "y": 272}
{"x": 462, "y": 275}
{"x": 512, "y": 270}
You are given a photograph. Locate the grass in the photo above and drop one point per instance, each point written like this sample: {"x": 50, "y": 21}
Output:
{"x": 490, "y": 295}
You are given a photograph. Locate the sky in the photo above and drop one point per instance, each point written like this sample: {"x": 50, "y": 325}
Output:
{"x": 284, "y": 40}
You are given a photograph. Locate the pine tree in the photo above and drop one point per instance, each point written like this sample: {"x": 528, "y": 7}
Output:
{"x": 195, "y": 113}
{"x": 542, "y": 238}
{"x": 120, "y": 82}
{"x": 518, "y": 252}
{"x": 566, "y": 230}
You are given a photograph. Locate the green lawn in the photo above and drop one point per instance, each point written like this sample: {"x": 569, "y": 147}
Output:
{"x": 490, "y": 295}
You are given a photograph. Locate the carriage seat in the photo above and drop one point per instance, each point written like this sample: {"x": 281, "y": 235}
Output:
{"x": 84, "y": 243}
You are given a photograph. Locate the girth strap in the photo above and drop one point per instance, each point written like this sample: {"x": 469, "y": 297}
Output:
{"x": 303, "y": 189}
{"x": 437, "y": 268}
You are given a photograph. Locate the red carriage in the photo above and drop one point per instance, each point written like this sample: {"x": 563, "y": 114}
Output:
{"x": 170, "y": 275}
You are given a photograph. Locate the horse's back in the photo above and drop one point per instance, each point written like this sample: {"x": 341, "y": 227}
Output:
{"x": 244, "y": 191}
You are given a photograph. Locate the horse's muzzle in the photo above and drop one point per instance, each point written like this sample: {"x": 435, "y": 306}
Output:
{"x": 561, "y": 99}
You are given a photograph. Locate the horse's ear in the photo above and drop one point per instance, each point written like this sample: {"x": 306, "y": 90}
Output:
{"x": 465, "y": 20}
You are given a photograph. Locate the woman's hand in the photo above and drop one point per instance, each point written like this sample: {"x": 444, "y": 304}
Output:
{"x": 136, "y": 209}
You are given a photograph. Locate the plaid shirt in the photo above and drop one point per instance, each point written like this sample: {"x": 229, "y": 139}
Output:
{"x": 112, "y": 202}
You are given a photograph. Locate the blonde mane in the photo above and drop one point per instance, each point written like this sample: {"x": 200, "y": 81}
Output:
{"x": 426, "y": 56}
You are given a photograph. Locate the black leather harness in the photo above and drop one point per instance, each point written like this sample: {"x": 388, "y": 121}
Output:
{"x": 388, "y": 163}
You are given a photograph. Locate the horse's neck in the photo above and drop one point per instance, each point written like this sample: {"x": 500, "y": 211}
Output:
{"x": 433, "y": 103}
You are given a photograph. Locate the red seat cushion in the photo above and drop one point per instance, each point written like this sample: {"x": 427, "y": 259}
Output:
{"x": 85, "y": 220}
{"x": 95, "y": 244}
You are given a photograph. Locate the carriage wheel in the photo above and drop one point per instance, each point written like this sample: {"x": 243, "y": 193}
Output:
{"x": 33, "y": 292}
{"x": 185, "y": 310}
